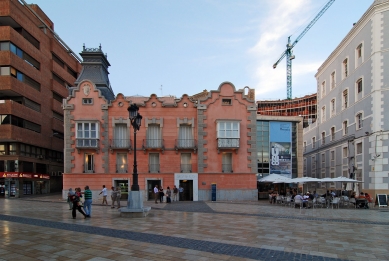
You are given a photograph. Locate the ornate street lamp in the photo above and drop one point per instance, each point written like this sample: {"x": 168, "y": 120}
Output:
{"x": 136, "y": 120}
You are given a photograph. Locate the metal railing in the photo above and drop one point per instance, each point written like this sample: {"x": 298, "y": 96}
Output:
{"x": 185, "y": 144}
{"x": 120, "y": 144}
{"x": 153, "y": 168}
{"x": 87, "y": 143}
{"x": 153, "y": 144}
{"x": 227, "y": 168}
{"x": 186, "y": 168}
{"x": 228, "y": 143}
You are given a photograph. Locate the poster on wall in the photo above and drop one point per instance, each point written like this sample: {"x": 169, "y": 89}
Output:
{"x": 281, "y": 148}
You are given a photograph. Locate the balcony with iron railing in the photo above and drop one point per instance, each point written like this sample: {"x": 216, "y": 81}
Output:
{"x": 154, "y": 168}
{"x": 121, "y": 168}
{"x": 186, "y": 168}
{"x": 185, "y": 144}
{"x": 227, "y": 168}
{"x": 228, "y": 143}
{"x": 117, "y": 144}
{"x": 153, "y": 144}
{"x": 82, "y": 143}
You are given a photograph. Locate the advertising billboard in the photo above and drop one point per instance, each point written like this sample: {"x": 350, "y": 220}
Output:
{"x": 281, "y": 148}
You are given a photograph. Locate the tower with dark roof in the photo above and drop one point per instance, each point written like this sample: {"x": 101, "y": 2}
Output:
{"x": 95, "y": 68}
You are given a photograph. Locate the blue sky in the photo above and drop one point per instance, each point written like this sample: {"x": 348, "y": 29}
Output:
{"x": 191, "y": 45}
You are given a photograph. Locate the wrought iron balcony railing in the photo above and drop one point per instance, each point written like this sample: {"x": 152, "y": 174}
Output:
{"x": 153, "y": 144}
{"x": 87, "y": 144}
{"x": 153, "y": 168}
{"x": 227, "y": 168}
{"x": 228, "y": 143}
{"x": 186, "y": 168}
{"x": 182, "y": 144}
{"x": 120, "y": 144}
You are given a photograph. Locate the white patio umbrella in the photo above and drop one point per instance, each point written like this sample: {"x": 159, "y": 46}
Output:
{"x": 304, "y": 180}
{"x": 272, "y": 178}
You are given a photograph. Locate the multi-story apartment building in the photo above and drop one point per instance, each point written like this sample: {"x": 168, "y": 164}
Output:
{"x": 350, "y": 137}
{"x": 305, "y": 107}
{"x": 35, "y": 68}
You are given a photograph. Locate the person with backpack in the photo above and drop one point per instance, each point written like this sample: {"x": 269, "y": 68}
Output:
{"x": 75, "y": 198}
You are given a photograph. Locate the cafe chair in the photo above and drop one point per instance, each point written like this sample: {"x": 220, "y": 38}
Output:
{"x": 335, "y": 201}
{"x": 288, "y": 201}
{"x": 279, "y": 199}
{"x": 298, "y": 202}
{"x": 353, "y": 202}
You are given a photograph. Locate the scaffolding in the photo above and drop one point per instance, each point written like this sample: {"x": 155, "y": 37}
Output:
{"x": 305, "y": 107}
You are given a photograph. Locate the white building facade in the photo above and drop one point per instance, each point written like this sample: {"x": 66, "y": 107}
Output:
{"x": 350, "y": 136}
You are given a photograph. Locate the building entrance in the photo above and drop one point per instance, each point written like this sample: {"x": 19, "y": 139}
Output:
{"x": 187, "y": 194}
{"x": 123, "y": 185}
{"x": 150, "y": 188}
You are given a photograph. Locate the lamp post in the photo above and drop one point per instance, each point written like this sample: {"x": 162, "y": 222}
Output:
{"x": 136, "y": 120}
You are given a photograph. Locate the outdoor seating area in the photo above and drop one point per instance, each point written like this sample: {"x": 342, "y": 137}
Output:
{"x": 321, "y": 202}
{"x": 293, "y": 196}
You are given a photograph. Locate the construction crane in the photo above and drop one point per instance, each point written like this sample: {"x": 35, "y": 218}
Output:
{"x": 289, "y": 47}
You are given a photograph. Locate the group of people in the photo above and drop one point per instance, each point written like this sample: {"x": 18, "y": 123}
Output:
{"x": 85, "y": 206}
{"x": 360, "y": 202}
{"x": 159, "y": 193}
{"x": 75, "y": 201}
{"x": 363, "y": 200}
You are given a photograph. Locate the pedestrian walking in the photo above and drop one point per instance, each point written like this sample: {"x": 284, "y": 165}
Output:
{"x": 113, "y": 196}
{"x": 156, "y": 193}
{"x": 70, "y": 193}
{"x": 105, "y": 194}
{"x": 76, "y": 205}
{"x": 118, "y": 195}
{"x": 88, "y": 201}
{"x": 175, "y": 193}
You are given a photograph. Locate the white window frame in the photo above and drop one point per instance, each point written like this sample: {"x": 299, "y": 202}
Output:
{"x": 345, "y": 127}
{"x": 359, "y": 148}
{"x": 359, "y": 120}
{"x": 333, "y": 107}
{"x": 89, "y": 164}
{"x": 313, "y": 142}
{"x": 323, "y": 89}
{"x": 323, "y": 138}
{"x": 333, "y": 80}
{"x": 345, "y": 68}
{"x": 360, "y": 80}
{"x": 332, "y": 133}
{"x": 323, "y": 114}
{"x": 345, "y": 152}
{"x": 86, "y": 135}
{"x": 154, "y": 163}
{"x": 227, "y": 162}
{"x": 345, "y": 99}
{"x": 228, "y": 129}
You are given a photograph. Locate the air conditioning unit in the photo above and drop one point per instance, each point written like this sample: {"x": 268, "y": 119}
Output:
{"x": 40, "y": 156}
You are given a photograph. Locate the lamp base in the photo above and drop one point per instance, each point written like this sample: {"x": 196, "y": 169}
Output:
{"x": 135, "y": 207}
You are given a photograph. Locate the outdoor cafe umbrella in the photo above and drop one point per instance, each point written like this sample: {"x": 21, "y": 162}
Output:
{"x": 304, "y": 180}
{"x": 339, "y": 179}
{"x": 272, "y": 178}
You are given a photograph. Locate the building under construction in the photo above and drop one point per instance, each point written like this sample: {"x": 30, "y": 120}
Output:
{"x": 304, "y": 106}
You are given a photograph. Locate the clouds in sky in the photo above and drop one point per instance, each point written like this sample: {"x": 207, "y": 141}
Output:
{"x": 283, "y": 18}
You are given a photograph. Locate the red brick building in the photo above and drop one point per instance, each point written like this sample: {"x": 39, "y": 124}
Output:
{"x": 35, "y": 68}
{"x": 192, "y": 141}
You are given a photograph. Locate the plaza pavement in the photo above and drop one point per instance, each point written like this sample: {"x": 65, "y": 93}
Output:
{"x": 41, "y": 228}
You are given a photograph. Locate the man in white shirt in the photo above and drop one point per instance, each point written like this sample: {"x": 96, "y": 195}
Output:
{"x": 156, "y": 193}
{"x": 105, "y": 194}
